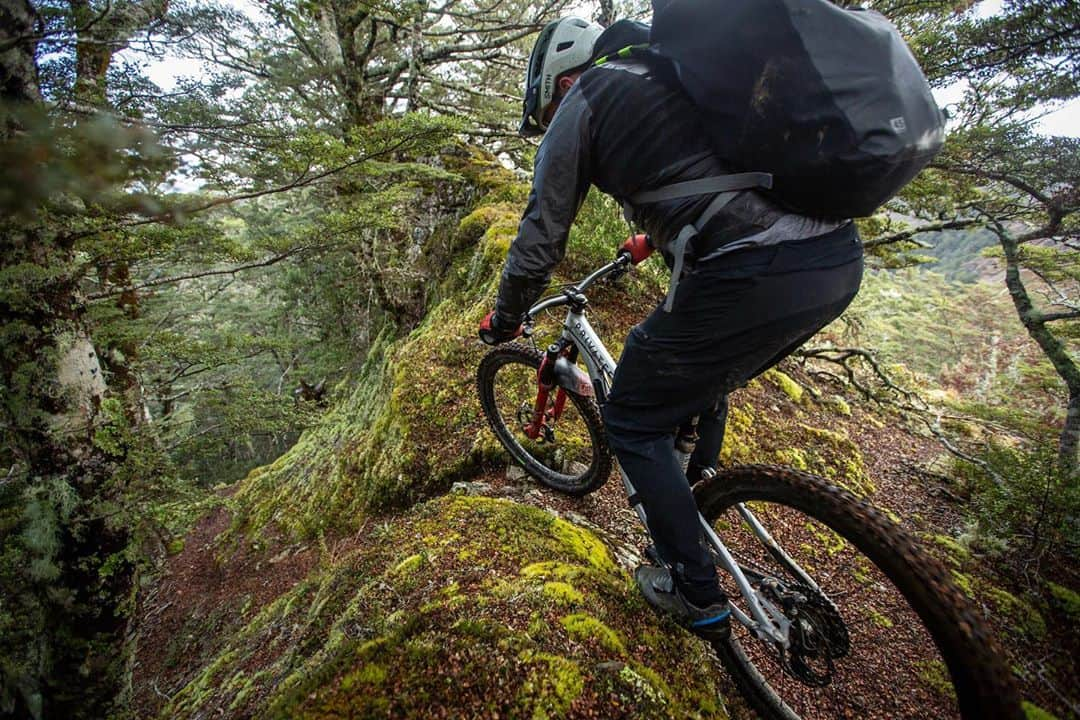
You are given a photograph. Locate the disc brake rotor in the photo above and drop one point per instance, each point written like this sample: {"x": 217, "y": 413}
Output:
{"x": 818, "y": 633}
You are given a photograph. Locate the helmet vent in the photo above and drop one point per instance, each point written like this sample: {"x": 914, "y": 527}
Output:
{"x": 564, "y": 46}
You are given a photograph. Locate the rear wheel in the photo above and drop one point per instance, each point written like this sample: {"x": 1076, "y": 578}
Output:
{"x": 571, "y": 453}
{"x": 886, "y": 634}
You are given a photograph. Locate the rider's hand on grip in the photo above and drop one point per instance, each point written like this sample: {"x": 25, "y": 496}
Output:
{"x": 638, "y": 247}
{"x": 493, "y": 332}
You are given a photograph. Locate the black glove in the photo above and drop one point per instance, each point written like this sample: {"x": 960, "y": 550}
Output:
{"x": 493, "y": 332}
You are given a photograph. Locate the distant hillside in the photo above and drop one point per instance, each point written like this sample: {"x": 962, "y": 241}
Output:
{"x": 959, "y": 254}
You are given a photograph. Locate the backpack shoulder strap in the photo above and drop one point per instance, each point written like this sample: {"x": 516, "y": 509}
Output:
{"x": 725, "y": 187}
{"x": 621, "y": 53}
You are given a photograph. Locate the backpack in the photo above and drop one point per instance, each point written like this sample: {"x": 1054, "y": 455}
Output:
{"x": 827, "y": 100}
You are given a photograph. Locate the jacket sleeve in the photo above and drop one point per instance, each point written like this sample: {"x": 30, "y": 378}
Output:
{"x": 561, "y": 179}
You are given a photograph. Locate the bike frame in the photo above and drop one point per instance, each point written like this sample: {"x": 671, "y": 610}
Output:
{"x": 765, "y": 619}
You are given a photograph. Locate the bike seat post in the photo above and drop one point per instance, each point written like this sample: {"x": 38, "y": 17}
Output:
{"x": 685, "y": 441}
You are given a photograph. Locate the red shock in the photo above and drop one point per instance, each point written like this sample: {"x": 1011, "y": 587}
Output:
{"x": 532, "y": 430}
{"x": 545, "y": 381}
{"x": 560, "y": 403}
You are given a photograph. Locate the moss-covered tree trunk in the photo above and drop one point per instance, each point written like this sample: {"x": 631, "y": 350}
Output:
{"x": 1035, "y": 322}
{"x": 59, "y": 623}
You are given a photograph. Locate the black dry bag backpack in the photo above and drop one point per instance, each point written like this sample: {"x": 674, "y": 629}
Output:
{"x": 829, "y": 101}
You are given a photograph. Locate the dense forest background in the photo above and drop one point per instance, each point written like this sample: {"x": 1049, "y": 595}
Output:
{"x": 192, "y": 276}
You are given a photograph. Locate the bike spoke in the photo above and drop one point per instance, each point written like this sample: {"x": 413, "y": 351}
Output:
{"x": 563, "y": 447}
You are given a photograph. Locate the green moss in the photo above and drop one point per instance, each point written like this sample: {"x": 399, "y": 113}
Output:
{"x": 562, "y": 593}
{"x": 793, "y": 457}
{"x": 835, "y": 456}
{"x": 828, "y": 539}
{"x": 301, "y": 657}
{"x": 739, "y": 445}
{"x": 879, "y": 619}
{"x": 863, "y": 571}
{"x": 936, "y": 676}
{"x": 584, "y": 545}
{"x": 1034, "y": 712}
{"x": 642, "y": 685}
{"x": 830, "y": 436}
{"x": 477, "y": 223}
{"x": 838, "y": 405}
{"x": 1069, "y": 600}
{"x": 792, "y": 389}
{"x": 567, "y": 572}
{"x": 957, "y": 553}
{"x": 965, "y": 582}
{"x": 1024, "y": 616}
{"x": 370, "y": 674}
{"x": 552, "y": 685}
{"x": 585, "y": 628}
{"x": 409, "y": 565}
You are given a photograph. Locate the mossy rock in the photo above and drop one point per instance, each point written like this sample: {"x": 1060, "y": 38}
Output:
{"x": 740, "y": 445}
{"x": 407, "y": 425}
{"x": 1068, "y": 600}
{"x": 952, "y": 551}
{"x": 402, "y": 627}
{"x": 786, "y": 384}
{"x": 837, "y": 404}
{"x": 1024, "y": 617}
{"x": 585, "y": 628}
{"x": 828, "y": 453}
{"x": 1034, "y": 712}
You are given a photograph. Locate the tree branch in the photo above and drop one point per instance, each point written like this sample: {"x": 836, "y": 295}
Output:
{"x": 908, "y": 234}
{"x": 266, "y": 262}
{"x": 303, "y": 180}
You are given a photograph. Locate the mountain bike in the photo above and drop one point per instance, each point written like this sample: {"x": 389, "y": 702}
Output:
{"x": 837, "y": 611}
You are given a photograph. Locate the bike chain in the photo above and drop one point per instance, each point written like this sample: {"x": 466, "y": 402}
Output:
{"x": 825, "y": 617}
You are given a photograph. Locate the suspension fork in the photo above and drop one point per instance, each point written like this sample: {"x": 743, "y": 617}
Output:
{"x": 545, "y": 383}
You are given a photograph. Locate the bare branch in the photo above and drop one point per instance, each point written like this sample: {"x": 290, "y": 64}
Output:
{"x": 909, "y": 234}
{"x": 303, "y": 180}
{"x": 935, "y": 429}
{"x": 266, "y": 262}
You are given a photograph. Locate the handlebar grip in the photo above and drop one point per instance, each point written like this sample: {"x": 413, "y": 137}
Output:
{"x": 638, "y": 247}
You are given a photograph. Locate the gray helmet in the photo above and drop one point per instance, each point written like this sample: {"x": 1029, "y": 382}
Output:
{"x": 563, "y": 45}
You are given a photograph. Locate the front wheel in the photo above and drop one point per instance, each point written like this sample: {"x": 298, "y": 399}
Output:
{"x": 885, "y": 634}
{"x": 570, "y": 454}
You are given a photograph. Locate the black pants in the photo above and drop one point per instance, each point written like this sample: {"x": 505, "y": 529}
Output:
{"x": 733, "y": 318}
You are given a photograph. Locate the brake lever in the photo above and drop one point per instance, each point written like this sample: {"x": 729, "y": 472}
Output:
{"x": 624, "y": 263}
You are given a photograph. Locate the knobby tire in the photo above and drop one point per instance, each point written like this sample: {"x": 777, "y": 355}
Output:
{"x": 599, "y": 468}
{"x": 983, "y": 683}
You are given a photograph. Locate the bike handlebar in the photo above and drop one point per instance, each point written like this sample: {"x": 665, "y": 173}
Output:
{"x": 574, "y": 293}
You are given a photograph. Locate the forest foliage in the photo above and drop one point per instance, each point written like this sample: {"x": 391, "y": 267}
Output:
{"x": 193, "y": 275}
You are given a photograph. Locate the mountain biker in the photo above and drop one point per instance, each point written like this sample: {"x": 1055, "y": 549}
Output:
{"x": 757, "y": 281}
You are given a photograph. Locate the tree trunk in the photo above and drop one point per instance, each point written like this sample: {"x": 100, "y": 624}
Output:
{"x": 18, "y": 72}
{"x": 1052, "y": 347}
{"x": 60, "y": 660}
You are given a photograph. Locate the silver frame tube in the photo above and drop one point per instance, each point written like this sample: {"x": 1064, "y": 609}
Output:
{"x": 598, "y": 360}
